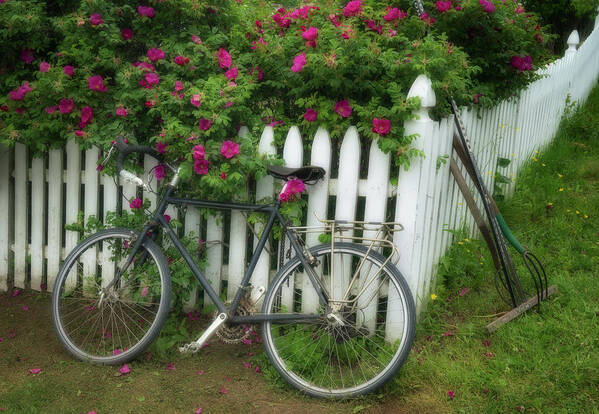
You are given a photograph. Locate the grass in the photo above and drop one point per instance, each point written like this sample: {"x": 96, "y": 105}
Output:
{"x": 540, "y": 362}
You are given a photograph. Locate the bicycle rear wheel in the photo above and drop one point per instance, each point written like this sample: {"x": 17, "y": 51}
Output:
{"x": 100, "y": 319}
{"x": 362, "y": 336}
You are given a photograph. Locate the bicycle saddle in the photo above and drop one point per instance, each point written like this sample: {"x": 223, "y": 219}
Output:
{"x": 309, "y": 173}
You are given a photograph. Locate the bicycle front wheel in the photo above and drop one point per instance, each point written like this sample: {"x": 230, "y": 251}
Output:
{"x": 100, "y": 317}
{"x": 361, "y": 337}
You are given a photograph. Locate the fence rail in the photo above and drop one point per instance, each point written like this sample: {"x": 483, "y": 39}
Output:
{"x": 38, "y": 196}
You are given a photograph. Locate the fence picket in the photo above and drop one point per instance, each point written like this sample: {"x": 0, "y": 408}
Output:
{"x": 5, "y": 217}
{"x": 318, "y": 201}
{"x": 192, "y": 227}
{"x": 38, "y": 190}
{"x": 264, "y": 189}
{"x": 73, "y": 195}
{"x": 90, "y": 208}
{"x": 55, "y": 208}
{"x": 347, "y": 198}
{"x": 214, "y": 253}
{"x": 374, "y": 211}
{"x": 237, "y": 243}
{"x": 21, "y": 249}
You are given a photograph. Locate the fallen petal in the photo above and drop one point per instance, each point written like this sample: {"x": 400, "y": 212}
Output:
{"x": 246, "y": 364}
{"x": 25, "y": 307}
{"x": 222, "y": 390}
{"x": 199, "y": 410}
{"x": 201, "y": 372}
{"x": 125, "y": 369}
{"x": 35, "y": 370}
{"x": 170, "y": 366}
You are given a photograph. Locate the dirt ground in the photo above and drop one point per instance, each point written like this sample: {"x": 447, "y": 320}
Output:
{"x": 216, "y": 379}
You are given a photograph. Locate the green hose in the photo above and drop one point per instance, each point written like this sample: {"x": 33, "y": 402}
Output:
{"x": 508, "y": 233}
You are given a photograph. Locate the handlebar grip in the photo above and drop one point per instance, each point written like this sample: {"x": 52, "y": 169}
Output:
{"x": 125, "y": 150}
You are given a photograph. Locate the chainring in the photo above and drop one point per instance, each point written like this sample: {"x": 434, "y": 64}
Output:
{"x": 235, "y": 334}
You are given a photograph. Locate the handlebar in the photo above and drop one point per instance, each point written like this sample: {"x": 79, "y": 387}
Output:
{"x": 126, "y": 149}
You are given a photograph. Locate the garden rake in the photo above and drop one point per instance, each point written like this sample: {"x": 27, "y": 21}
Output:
{"x": 495, "y": 234}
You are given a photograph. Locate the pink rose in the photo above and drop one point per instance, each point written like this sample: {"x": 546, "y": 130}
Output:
{"x": 152, "y": 78}
{"x": 20, "y": 93}
{"x": 87, "y": 114}
{"x": 196, "y": 100}
{"x": 95, "y": 19}
{"x": 96, "y": 83}
{"x": 69, "y": 70}
{"x": 443, "y": 6}
{"x": 310, "y": 115}
{"x": 27, "y": 56}
{"x": 488, "y": 7}
{"x": 201, "y": 166}
{"x": 224, "y": 58}
{"x": 178, "y": 86}
{"x": 292, "y": 187}
{"x": 120, "y": 111}
{"x": 145, "y": 11}
{"x": 352, "y": 8}
{"x": 136, "y": 203}
{"x": 51, "y": 109}
{"x": 180, "y": 60}
{"x": 343, "y": 108}
{"x": 66, "y": 106}
{"x": 44, "y": 67}
{"x": 381, "y": 126}
{"x": 160, "y": 173}
{"x": 198, "y": 152}
{"x": 394, "y": 14}
{"x": 229, "y": 149}
{"x": 155, "y": 54}
{"x": 205, "y": 124}
{"x": 521, "y": 63}
{"x": 161, "y": 147}
{"x": 310, "y": 34}
{"x": 231, "y": 74}
{"x": 298, "y": 62}
{"x": 126, "y": 33}
{"x": 195, "y": 39}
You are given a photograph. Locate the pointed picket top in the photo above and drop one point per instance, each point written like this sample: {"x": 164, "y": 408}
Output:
{"x": 267, "y": 142}
{"x": 597, "y": 19}
{"x": 293, "y": 151}
{"x": 422, "y": 88}
{"x": 573, "y": 42}
{"x": 243, "y": 131}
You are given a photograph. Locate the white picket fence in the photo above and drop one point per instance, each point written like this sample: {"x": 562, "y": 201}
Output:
{"x": 38, "y": 199}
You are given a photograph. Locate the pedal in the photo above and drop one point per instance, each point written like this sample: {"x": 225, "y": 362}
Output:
{"x": 195, "y": 346}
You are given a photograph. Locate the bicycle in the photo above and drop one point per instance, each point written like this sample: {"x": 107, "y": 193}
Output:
{"x": 337, "y": 320}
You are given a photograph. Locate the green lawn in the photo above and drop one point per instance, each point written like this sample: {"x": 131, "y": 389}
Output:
{"x": 541, "y": 362}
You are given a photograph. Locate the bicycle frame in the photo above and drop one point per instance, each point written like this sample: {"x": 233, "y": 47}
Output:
{"x": 274, "y": 213}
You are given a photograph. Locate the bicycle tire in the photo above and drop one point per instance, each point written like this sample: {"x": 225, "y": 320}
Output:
{"x": 360, "y": 330}
{"x": 86, "y": 312}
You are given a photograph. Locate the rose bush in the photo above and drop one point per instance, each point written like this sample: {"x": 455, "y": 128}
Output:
{"x": 184, "y": 76}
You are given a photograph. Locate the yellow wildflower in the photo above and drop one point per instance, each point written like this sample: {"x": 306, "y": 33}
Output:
{"x": 561, "y": 189}
{"x": 433, "y": 296}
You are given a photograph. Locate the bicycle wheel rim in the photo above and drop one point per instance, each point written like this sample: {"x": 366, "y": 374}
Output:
{"x": 351, "y": 350}
{"x": 118, "y": 325}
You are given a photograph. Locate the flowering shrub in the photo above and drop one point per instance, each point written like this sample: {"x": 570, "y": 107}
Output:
{"x": 184, "y": 76}
{"x": 500, "y": 37}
